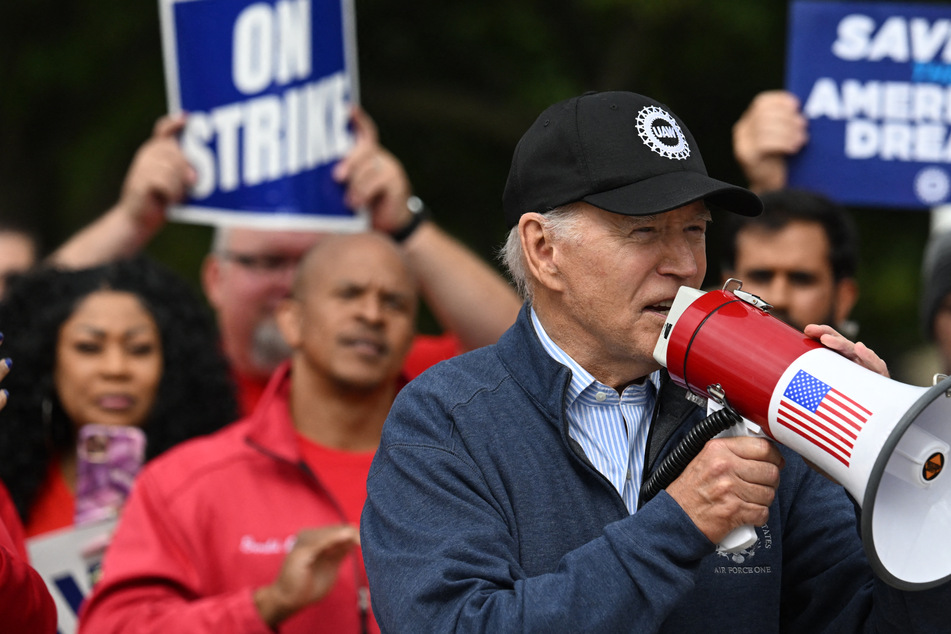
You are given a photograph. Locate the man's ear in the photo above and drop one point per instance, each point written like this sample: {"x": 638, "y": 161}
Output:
{"x": 211, "y": 279}
{"x": 539, "y": 250}
{"x": 289, "y": 320}
{"x": 846, "y": 294}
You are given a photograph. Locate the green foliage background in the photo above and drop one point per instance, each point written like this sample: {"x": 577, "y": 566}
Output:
{"x": 452, "y": 85}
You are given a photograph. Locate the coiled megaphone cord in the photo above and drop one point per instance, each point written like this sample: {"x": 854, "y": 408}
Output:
{"x": 687, "y": 449}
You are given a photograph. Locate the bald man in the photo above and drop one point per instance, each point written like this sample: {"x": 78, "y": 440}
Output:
{"x": 255, "y": 527}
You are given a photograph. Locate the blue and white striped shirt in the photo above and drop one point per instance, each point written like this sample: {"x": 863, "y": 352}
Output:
{"x": 611, "y": 429}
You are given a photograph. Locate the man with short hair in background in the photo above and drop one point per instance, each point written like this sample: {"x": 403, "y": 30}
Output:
{"x": 800, "y": 255}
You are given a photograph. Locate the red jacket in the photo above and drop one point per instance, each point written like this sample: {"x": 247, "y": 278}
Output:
{"x": 210, "y": 521}
{"x": 25, "y": 603}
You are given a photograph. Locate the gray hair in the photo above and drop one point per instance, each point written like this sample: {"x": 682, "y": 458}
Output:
{"x": 561, "y": 224}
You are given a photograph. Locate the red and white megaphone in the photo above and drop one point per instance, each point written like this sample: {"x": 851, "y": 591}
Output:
{"x": 886, "y": 442}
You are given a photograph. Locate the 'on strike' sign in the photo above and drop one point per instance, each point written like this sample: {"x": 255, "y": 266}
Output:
{"x": 268, "y": 87}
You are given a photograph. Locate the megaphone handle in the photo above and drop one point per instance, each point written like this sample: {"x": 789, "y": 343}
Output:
{"x": 739, "y": 538}
{"x": 742, "y": 537}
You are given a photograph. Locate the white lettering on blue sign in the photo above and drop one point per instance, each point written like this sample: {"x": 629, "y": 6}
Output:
{"x": 269, "y": 137}
{"x": 895, "y": 101}
{"x": 271, "y": 45}
{"x": 898, "y": 39}
{"x": 897, "y": 121}
{"x": 897, "y": 141}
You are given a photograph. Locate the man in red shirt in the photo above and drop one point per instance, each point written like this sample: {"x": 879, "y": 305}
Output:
{"x": 211, "y": 538}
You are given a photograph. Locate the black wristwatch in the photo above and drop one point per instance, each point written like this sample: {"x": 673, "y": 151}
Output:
{"x": 420, "y": 214}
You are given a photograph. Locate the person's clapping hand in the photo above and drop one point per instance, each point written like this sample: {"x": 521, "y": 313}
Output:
{"x": 308, "y": 573}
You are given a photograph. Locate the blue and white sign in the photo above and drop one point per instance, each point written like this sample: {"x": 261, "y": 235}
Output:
{"x": 70, "y": 560}
{"x": 874, "y": 81}
{"x": 268, "y": 88}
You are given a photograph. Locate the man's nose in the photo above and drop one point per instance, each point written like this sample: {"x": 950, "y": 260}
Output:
{"x": 679, "y": 259}
{"x": 778, "y": 292}
{"x": 371, "y": 308}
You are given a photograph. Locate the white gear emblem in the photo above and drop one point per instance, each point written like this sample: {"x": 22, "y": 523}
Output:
{"x": 932, "y": 185}
{"x": 660, "y": 132}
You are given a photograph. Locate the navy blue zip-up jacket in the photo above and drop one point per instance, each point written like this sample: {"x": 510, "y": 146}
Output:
{"x": 482, "y": 515}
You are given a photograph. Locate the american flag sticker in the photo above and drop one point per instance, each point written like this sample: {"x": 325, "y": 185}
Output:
{"x": 822, "y": 415}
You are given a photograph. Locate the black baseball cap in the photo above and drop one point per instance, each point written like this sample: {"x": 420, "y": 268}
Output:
{"x": 619, "y": 151}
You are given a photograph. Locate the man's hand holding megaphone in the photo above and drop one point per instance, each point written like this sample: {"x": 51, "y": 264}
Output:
{"x": 732, "y": 481}
{"x": 824, "y": 397}
{"x": 857, "y": 352}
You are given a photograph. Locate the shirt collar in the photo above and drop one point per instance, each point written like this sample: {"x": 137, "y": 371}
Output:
{"x": 581, "y": 379}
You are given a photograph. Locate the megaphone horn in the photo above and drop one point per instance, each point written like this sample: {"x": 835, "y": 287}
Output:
{"x": 886, "y": 442}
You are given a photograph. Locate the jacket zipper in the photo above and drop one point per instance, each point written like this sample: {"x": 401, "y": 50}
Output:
{"x": 363, "y": 589}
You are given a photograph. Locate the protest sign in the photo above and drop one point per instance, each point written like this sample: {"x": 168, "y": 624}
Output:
{"x": 874, "y": 81}
{"x": 69, "y": 561}
{"x": 268, "y": 88}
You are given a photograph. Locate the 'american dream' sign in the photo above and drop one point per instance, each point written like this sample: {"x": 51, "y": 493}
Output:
{"x": 874, "y": 80}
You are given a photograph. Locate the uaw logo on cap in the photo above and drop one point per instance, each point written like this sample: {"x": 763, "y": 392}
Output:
{"x": 660, "y": 132}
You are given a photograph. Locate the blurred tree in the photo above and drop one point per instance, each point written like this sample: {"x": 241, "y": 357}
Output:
{"x": 82, "y": 85}
{"x": 458, "y": 83}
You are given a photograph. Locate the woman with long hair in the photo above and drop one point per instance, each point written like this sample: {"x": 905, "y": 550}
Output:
{"x": 127, "y": 344}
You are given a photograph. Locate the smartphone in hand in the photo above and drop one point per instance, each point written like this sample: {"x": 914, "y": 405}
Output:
{"x": 108, "y": 459}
